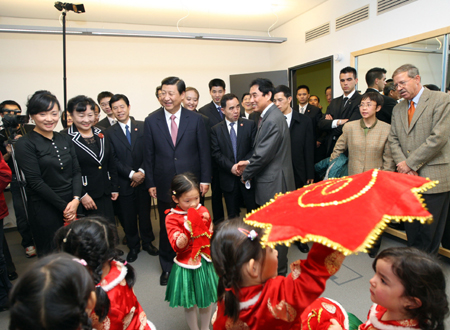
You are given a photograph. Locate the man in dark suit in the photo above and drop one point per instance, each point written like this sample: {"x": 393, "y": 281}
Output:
{"x": 316, "y": 115}
{"x": 341, "y": 109}
{"x": 103, "y": 99}
{"x": 213, "y": 111}
{"x": 302, "y": 142}
{"x": 270, "y": 167}
{"x": 127, "y": 141}
{"x": 175, "y": 142}
{"x": 376, "y": 80}
{"x": 231, "y": 142}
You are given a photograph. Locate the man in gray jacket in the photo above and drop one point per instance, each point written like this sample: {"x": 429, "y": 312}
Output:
{"x": 270, "y": 166}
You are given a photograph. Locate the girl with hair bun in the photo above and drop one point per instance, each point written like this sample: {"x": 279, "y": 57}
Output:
{"x": 93, "y": 240}
{"x": 57, "y": 292}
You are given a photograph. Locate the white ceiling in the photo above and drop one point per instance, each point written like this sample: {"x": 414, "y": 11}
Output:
{"x": 250, "y": 15}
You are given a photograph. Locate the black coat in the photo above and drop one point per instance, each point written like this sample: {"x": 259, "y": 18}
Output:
{"x": 385, "y": 114}
{"x": 128, "y": 157}
{"x": 98, "y": 172}
{"x": 222, "y": 150}
{"x": 302, "y": 148}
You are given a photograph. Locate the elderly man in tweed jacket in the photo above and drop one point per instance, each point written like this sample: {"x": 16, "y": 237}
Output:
{"x": 420, "y": 131}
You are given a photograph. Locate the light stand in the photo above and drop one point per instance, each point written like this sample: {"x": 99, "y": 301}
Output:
{"x": 65, "y": 7}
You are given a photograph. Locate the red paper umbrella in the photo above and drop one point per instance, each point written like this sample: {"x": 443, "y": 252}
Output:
{"x": 347, "y": 214}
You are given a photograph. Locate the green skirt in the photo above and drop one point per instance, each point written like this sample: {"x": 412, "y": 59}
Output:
{"x": 190, "y": 287}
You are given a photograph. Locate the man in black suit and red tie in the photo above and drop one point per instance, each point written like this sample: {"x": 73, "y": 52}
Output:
{"x": 103, "y": 99}
{"x": 341, "y": 109}
{"x": 213, "y": 111}
{"x": 175, "y": 142}
{"x": 231, "y": 142}
{"x": 127, "y": 141}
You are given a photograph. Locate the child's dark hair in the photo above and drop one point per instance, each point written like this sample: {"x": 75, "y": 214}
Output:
{"x": 230, "y": 250}
{"x": 182, "y": 183}
{"x": 52, "y": 294}
{"x": 374, "y": 97}
{"x": 423, "y": 278}
{"x": 92, "y": 239}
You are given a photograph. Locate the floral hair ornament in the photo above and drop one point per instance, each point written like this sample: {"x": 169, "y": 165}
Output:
{"x": 252, "y": 234}
{"x": 81, "y": 261}
{"x": 174, "y": 192}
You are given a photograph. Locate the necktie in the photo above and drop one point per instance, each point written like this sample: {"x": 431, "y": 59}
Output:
{"x": 411, "y": 110}
{"x": 345, "y": 102}
{"x": 233, "y": 141}
{"x": 128, "y": 134}
{"x": 259, "y": 121}
{"x": 173, "y": 129}
{"x": 220, "y": 112}
{"x": 302, "y": 110}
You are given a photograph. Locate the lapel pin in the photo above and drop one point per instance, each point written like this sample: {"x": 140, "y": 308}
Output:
{"x": 242, "y": 124}
{"x": 135, "y": 129}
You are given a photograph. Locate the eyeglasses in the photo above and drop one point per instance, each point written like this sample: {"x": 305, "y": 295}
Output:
{"x": 365, "y": 105}
{"x": 401, "y": 83}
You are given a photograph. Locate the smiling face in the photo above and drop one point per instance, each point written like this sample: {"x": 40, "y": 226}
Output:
{"x": 247, "y": 104}
{"x": 216, "y": 94}
{"x": 259, "y": 101}
{"x": 171, "y": 98}
{"x": 104, "y": 104}
{"x": 84, "y": 120}
{"x": 189, "y": 199}
{"x": 46, "y": 121}
{"x": 121, "y": 111}
{"x": 406, "y": 86}
{"x": 190, "y": 100}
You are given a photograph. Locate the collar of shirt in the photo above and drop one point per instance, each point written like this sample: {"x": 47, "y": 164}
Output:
{"x": 300, "y": 108}
{"x": 169, "y": 121}
{"x": 265, "y": 110}
{"x": 363, "y": 124}
{"x": 217, "y": 106}
{"x": 349, "y": 95}
{"x": 122, "y": 126}
{"x": 112, "y": 121}
{"x": 229, "y": 127}
{"x": 288, "y": 118}
{"x": 416, "y": 98}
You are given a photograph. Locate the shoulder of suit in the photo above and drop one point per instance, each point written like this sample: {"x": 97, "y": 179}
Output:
{"x": 207, "y": 107}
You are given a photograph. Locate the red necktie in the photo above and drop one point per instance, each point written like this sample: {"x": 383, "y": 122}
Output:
{"x": 411, "y": 110}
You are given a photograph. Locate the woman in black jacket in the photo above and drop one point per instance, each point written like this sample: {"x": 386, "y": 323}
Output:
{"x": 50, "y": 166}
{"x": 98, "y": 170}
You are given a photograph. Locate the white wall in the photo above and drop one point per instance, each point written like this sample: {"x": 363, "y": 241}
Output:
{"x": 426, "y": 16}
{"x": 131, "y": 66}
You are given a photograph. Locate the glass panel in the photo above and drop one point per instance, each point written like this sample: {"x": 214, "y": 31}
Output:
{"x": 426, "y": 55}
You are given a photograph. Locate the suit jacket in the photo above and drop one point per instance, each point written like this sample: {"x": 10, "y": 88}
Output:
{"x": 336, "y": 109}
{"x": 255, "y": 115}
{"x": 210, "y": 111}
{"x": 270, "y": 166}
{"x": 365, "y": 152}
{"x": 163, "y": 160}
{"x": 98, "y": 172}
{"x": 385, "y": 114}
{"x": 424, "y": 143}
{"x": 222, "y": 150}
{"x": 302, "y": 148}
{"x": 128, "y": 157}
{"x": 104, "y": 123}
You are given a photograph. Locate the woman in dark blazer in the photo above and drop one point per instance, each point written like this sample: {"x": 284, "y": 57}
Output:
{"x": 50, "y": 166}
{"x": 98, "y": 170}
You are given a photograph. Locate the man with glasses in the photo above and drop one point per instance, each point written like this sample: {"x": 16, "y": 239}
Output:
{"x": 420, "y": 130}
